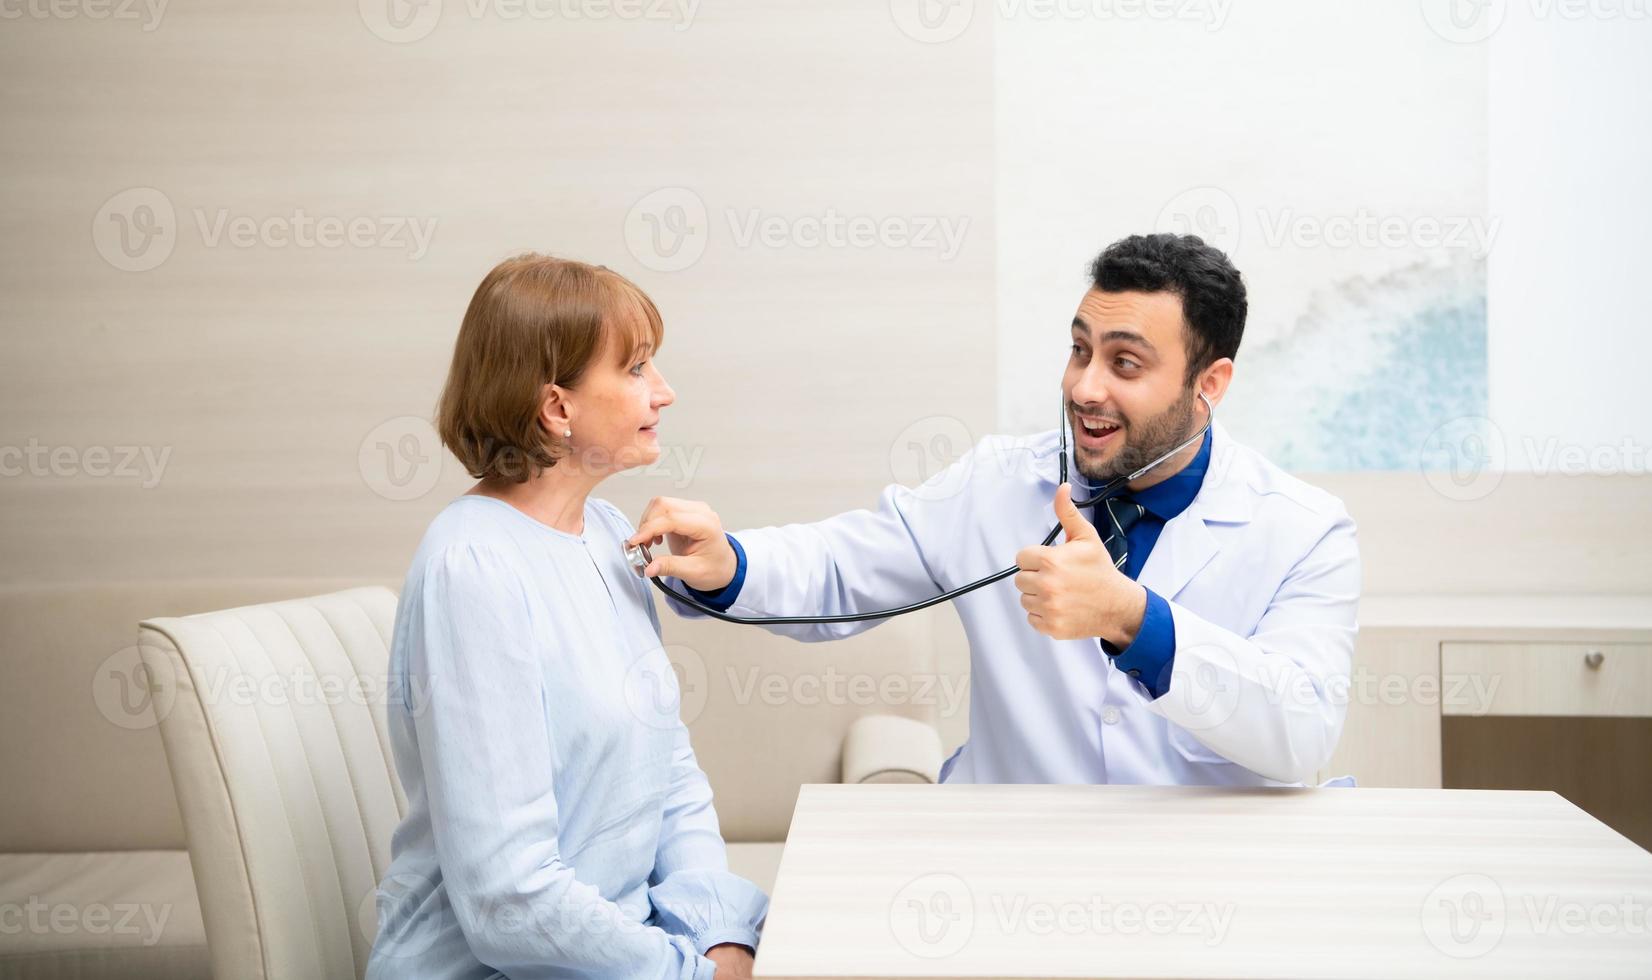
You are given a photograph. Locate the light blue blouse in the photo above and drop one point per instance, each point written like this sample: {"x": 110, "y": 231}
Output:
{"x": 557, "y": 822}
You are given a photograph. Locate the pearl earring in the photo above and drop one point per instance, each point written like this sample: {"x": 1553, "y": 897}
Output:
{"x": 567, "y": 433}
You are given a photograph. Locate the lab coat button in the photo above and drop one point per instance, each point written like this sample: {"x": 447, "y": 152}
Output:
{"x": 1133, "y": 672}
{"x": 1110, "y": 715}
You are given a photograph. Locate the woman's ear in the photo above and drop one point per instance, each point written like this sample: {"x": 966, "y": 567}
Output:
{"x": 554, "y": 411}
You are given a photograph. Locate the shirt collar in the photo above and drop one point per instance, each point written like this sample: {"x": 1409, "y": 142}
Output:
{"x": 1171, "y": 496}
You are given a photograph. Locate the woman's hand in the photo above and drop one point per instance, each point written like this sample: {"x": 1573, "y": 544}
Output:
{"x": 734, "y": 962}
{"x": 700, "y": 553}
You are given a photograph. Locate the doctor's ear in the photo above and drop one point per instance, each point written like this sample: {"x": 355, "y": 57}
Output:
{"x": 1214, "y": 380}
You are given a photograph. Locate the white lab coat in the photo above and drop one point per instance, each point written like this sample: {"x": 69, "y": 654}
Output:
{"x": 1261, "y": 572}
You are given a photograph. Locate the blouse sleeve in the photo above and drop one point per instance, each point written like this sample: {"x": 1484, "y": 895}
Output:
{"x": 485, "y": 746}
{"x": 693, "y": 892}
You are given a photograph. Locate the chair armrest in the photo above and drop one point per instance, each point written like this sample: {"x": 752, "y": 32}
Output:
{"x": 891, "y": 749}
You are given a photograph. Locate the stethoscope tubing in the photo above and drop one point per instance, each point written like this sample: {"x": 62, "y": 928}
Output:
{"x": 1109, "y": 489}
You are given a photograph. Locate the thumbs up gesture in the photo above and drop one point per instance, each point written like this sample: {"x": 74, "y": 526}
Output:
{"x": 1072, "y": 591}
{"x": 1076, "y": 526}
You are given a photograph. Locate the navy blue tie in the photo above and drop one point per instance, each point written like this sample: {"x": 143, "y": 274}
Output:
{"x": 1122, "y": 514}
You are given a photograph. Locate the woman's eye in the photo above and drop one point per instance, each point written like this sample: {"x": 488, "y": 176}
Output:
{"x": 637, "y": 368}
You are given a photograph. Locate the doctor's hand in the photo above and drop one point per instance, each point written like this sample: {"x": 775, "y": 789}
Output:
{"x": 700, "y": 553}
{"x": 734, "y": 962}
{"x": 1072, "y": 591}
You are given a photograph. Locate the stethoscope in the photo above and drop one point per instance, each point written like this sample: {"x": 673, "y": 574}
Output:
{"x": 640, "y": 557}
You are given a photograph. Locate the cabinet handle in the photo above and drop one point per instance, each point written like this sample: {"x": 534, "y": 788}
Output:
{"x": 1593, "y": 659}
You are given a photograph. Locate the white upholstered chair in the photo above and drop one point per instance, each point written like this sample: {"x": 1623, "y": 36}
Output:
{"x": 273, "y": 721}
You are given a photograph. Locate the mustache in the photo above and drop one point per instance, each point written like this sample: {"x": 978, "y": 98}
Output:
{"x": 1073, "y": 409}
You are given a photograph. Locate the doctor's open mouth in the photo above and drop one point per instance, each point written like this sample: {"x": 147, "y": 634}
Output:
{"x": 1091, "y": 432}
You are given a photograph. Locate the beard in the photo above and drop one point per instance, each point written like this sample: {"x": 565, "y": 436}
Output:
{"x": 1144, "y": 441}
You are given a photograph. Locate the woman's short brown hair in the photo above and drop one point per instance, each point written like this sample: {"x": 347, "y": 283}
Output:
{"x": 534, "y": 320}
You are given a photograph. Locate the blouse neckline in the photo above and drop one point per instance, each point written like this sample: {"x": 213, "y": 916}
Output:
{"x": 536, "y": 522}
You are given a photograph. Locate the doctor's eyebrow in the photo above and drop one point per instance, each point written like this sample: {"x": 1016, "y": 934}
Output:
{"x": 1129, "y": 336}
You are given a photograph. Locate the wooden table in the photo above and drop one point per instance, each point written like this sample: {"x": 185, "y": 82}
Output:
{"x": 890, "y": 881}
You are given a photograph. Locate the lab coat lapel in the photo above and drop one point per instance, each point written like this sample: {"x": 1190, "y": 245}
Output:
{"x": 1187, "y": 544}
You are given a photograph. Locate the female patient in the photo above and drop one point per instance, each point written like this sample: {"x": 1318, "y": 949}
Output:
{"x": 557, "y": 822}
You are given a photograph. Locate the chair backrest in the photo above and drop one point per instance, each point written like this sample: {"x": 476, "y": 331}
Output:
{"x": 273, "y": 721}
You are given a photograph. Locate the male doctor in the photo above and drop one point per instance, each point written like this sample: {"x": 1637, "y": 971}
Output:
{"x": 1196, "y": 628}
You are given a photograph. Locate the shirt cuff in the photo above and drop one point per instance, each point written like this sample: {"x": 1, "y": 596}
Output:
{"x": 709, "y": 907}
{"x": 738, "y": 935}
{"x": 1153, "y": 653}
{"x": 724, "y": 598}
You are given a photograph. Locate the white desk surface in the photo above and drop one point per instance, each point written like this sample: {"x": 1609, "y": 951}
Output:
{"x": 887, "y": 881}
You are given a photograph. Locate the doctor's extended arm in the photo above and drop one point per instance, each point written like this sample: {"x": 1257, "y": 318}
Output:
{"x": 859, "y": 561}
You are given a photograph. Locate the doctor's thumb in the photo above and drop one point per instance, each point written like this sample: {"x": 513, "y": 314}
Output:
{"x": 1073, "y": 523}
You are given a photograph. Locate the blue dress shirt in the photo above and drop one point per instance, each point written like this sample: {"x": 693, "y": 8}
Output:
{"x": 1150, "y": 657}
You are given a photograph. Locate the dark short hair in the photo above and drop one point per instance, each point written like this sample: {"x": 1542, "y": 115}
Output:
{"x": 1210, "y": 288}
